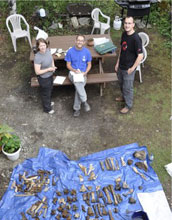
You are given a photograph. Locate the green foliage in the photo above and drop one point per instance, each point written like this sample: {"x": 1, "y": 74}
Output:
{"x": 12, "y": 144}
{"x": 160, "y": 16}
{"x": 5, "y": 131}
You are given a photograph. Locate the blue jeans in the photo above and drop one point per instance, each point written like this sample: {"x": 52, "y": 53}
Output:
{"x": 126, "y": 84}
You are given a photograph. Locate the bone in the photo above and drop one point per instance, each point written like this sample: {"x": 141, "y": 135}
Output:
{"x": 141, "y": 174}
{"x": 107, "y": 165}
{"x": 104, "y": 212}
{"x": 90, "y": 211}
{"x": 92, "y": 176}
{"x": 123, "y": 162}
{"x": 112, "y": 162}
{"x": 81, "y": 178}
{"x": 62, "y": 201}
{"x": 45, "y": 212}
{"x": 109, "y": 201}
{"x": 95, "y": 211}
{"x": 77, "y": 215}
{"x": 113, "y": 194}
{"x": 91, "y": 168}
{"x": 99, "y": 209}
{"x": 89, "y": 187}
{"x": 53, "y": 181}
{"x": 40, "y": 205}
{"x": 98, "y": 188}
{"x": 84, "y": 196}
{"x": 83, "y": 188}
{"x": 119, "y": 198}
{"x": 102, "y": 165}
{"x": 128, "y": 193}
{"x": 117, "y": 164}
{"x": 83, "y": 208}
{"x": 93, "y": 200}
{"x": 97, "y": 193}
{"x": 84, "y": 169}
{"x": 142, "y": 165}
{"x": 110, "y": 215}
{"x": 23, "y": 216}
{"x": 125, "y": 185}
{"x": 140, "y": 155}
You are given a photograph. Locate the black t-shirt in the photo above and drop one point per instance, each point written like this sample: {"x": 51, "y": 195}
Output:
{"x": 131, "y": 46}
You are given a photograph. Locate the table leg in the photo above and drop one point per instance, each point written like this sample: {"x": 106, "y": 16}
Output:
{"x": 101, "y": 72}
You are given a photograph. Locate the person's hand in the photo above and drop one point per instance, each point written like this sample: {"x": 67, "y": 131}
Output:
{"x": 77, "y": 71}
{"x": 52, "y": 69}
{"x": 84, "y": 73}
{"x": 130, "y": 70}
{"x": 116, "y": 68}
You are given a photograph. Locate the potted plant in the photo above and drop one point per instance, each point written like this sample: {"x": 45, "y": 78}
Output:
{"x": 10, "y": 142}
{"x": 5, "y": 131}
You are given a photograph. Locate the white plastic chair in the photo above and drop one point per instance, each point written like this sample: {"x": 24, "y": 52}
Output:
{"x": 16, "y": 30}
{"x": 139, "y": 66}
{"x": 97, "y": 24}
{"x": 145, "y": 38}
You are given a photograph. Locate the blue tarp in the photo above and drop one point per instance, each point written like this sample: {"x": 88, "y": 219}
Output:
{"x": 67, "y": 174}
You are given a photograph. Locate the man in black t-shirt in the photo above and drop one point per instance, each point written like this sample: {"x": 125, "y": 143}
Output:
{"x": 129, "y": 58}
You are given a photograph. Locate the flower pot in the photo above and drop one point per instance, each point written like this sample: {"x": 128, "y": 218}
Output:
{"x": 12, "y": 156}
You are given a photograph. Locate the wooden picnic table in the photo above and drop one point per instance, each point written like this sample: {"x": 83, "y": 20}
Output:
{"x": 65, "y": 42}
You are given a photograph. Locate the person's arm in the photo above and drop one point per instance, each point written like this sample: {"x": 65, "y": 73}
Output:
{"x": 117, "y": 62}
{"x": 69, "y": 66}
{"x": 38, "y": 70}
{"x": 88, "y": 68}
{"x": 137, "y": 62}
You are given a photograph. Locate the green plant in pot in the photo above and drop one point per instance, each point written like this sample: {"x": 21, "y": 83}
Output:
{"x": 5, "y": 131}
{"x": 10, "y": 143}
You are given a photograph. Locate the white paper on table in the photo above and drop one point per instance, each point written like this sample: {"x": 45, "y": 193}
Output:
{"x": 155, "y": 205}
{"x": 168, "y": 167}
{"x": 77, "y": 77}
{"x": 100, "y": 40}
{"x": 59, "y": 80}
{"x": 53, "y": 50}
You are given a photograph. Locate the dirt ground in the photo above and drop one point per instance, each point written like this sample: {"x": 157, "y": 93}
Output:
{"x": 102, "y": 128}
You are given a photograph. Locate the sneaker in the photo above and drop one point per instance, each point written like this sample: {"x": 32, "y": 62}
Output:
{"x": 51, "y": 112}
{"x": 76, "y": 113}
{"x": 86, "y": 107}
{"x": 52, "y": 104}
{"x": 124, "y": 110}
{"x": 119, "y": 99}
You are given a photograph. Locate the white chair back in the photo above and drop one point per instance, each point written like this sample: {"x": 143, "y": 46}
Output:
{"x": 145, "y": 38}
{"x": 139, "y": 66}
{"x": 16, "y": 30}
{"x": 95, "y": 14}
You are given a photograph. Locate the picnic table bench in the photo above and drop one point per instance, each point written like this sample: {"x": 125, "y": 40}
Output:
{"x": 64, "y": 42}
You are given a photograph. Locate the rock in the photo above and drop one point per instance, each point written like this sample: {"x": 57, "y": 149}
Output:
{"x": 53, "y": 26}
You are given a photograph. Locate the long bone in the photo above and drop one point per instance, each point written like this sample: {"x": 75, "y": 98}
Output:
{"x": 109, "y": 201}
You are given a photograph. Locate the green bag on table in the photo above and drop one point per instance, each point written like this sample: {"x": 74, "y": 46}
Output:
{"x": 107, "y": 47}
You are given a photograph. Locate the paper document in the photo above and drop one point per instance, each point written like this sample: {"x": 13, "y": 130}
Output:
{"x": 77, "y": 77}
{"x": 168, "y": 167}
{"x": 53, "y": 50}
{"x": 59, "y": 80}
{"x": 155, "y": 205}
